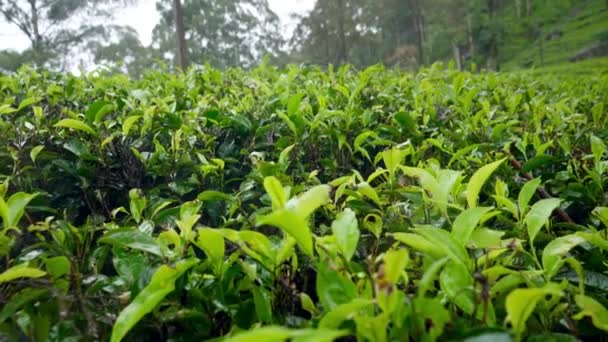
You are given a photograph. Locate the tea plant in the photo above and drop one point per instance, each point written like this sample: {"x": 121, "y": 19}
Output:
{"x": 303, "y": 204}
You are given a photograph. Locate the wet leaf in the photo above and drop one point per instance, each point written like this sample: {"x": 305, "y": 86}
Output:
{"x": 346, "y": 232}
{"x": 477, "y": 181}
{"x": 162, "y": 283}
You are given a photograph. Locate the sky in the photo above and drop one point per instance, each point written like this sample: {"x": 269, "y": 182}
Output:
{"x": 143, "y": 17}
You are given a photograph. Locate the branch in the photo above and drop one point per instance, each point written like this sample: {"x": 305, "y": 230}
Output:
{"x": 17, "y": 16}
{"x": 75, "y": 38}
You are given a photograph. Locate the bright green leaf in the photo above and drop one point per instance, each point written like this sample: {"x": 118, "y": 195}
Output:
{"x": 212, "y": 243}
{"x": 57, "y": 266}
{"x": 368, "y": 191}
{"x": 20, "y": 271}
{"x": 35, "y": 151}
{"x": 539, "y": 215}
{"x": 486, "y": 238}
{"x": 598, "y": 148}
{"x": 466, "y": 222}
{"x": 128, "y": 123}
{"x": 27, "y": 102}
{"x": 266, "y": 334}
{"x": 477, "y": 181}
{"x": 594, "y": 309}
{"x": 374, "y": 224}
{"x": 520, "y": 304}
{"x": 292, "y": 224}
{"x": 457, "y": 283}
{"x": 282, "y": 334}
{"x": 526, "y": 193}
{"x": 443, "y": 240}
{"x": 307, "y": 304}
{"x": 293, "y": 105}
{"x": 392, "y": 159}
{"x": 161, "y": 284}
{"x": 424, "y": 178}
{"x": 395, "y": 261}
{"x": 262, "y": 300}
{"x": 346, "y": 232}
{"x": 333, "y": 288}
{"x": 308, "y": 202}
{"x": 12, "y": 210}
{"x": 420, "y": 243}
{"x": 334, "y": 318}
{"x": 276, "y": 192}
{"x": 428, "y": 278}
{"x": 131, "y": 238}
{"x": 137, "y": 204}
{"x": 76, "y": 125}
{"x": 554, "y": 252}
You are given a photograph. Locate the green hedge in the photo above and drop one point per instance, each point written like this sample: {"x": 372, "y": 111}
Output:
{"x": 303, "y": 204}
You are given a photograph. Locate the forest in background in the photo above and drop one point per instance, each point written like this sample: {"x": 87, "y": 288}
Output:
{"x": 490, "y": 34}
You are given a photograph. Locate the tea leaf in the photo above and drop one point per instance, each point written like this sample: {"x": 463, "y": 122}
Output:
{"x": 477, "y": 181}
{"x": 553, "y": 253}
{"x": 526, "y": 193}
{"x": 76, "y": 125}
{"x": 592, "y": 308}
{"x": 539, "y": 215}
{"x": 465, "y": 223}
{"x": 334, "y": 318}
{"x": 212, "y": 243}
{"x": 275, "y": 191}
{"x": 520, "y": 304}
{"x": 346, "y": 232}
{"x": 20, "y": 271}
{"x": 132, "y": 238}
{"x": 162, "y": 283}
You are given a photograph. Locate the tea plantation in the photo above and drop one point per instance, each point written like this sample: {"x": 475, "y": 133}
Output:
{"x": 304, "y": 204}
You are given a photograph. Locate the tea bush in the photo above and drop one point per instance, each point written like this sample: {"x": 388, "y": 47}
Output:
{"x": 304, "y": 205}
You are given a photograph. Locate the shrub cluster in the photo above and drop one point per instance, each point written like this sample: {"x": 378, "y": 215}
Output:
{"x": 303, "y": 204}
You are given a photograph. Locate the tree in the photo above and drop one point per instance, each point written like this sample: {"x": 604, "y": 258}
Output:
{"x": 334, "y": 32}
{"x": 182, "y": 48}
{"x": 341, "y": 55}
{"x": 57, "y": 27}
{"x": 398, "y": 27}
{"x": 222, "y": 32}
{"x": 418, "y": 21}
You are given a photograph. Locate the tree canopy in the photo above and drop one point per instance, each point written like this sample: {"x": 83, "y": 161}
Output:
{"x": 58, "y": 28}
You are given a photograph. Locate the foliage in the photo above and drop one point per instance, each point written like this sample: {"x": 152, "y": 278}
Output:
{"x": 223, "y": 33}
{"x": 302, "y": 204}
{"x": 56, "y": 28}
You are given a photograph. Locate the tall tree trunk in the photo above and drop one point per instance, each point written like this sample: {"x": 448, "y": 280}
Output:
{"x": 528, "y": 8}
{"x": 182, "y": 48}
{"x": 541, "y": 47}
{"x": 457, "y": 56}
{"x": 341, "y": 56}
{"x": 418, "y": 21}
{"x": 492, "y": 9}
{"x": 518, "y": 8}
{"x": 37, "y": 44}
{"x": 470, "y": 34}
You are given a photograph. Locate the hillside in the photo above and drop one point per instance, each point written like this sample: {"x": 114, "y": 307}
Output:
{"x": 555, "y": 33}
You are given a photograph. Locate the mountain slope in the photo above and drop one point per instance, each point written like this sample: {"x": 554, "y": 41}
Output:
{"x": 556, "y": 33}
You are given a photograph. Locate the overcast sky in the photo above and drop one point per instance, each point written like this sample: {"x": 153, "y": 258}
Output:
{"x": 143, "y": 17}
